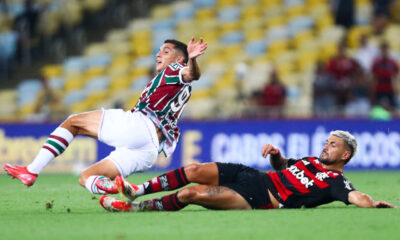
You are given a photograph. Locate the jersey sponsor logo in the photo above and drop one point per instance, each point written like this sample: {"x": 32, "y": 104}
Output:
{"x": 347, "y": 185}
{"x": 312, "y": 175}
{"x": 300, "y": 175}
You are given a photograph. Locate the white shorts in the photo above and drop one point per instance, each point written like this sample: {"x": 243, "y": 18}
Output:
{"x": 134, "y": 137}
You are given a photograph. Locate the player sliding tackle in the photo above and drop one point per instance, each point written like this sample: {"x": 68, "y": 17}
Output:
{"x": 137, "y": 135}
{"x": 306, "y": 182}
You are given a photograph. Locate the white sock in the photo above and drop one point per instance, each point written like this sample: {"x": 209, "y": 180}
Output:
{"x": 140, "y": 191}
{"x": 91, "y": 185}
{"x": 55, "y": 145}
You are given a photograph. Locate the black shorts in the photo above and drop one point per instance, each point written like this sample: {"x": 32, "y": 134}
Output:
{"x": 246, "y": 181}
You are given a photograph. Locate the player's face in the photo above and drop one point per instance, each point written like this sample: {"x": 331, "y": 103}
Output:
{"x": 334, "y": 151}
{"x": 165, "y": 56}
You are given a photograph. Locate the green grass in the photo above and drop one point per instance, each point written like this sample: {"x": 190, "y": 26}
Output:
{"x": 23, "y": 215}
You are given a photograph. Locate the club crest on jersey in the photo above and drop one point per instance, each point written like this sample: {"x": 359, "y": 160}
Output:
{"x": 321, "y": 176}
{"x": 175, "y": 66}
{"x": 300, "y": 175}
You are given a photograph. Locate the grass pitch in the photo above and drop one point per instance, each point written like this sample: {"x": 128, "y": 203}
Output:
{"x": 56, "y": 207}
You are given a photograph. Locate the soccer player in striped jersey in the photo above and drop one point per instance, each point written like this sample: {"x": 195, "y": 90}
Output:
{"x": 306, "y": 182}
{"x": 138, "y": 135}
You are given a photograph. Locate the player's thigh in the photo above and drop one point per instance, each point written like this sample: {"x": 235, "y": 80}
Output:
{"x": 214, "y": 197}
{"x": 205, "y": 173}
{"x": 105, "y": 167}
{"x": 84, "y": 123}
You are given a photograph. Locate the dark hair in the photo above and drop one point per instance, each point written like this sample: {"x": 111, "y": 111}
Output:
{"x": 180, "y": 46}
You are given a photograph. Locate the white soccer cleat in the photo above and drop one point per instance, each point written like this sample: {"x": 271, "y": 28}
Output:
{"x": 115, "y": 205}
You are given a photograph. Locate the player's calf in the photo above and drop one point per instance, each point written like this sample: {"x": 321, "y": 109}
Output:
{"x": 169, "y": 181}
{"x": 99, "y": 185}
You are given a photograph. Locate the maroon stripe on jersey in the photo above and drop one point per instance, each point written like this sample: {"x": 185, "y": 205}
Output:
{"x": 60, "y": 139}
{"x": 51, "y": 150}
{"x": 158, "y": 102}
{"x": 295, "y": 182}
{"x": 319, "y": 183}
{"x": 321, "y": 169}
{"x": 282, "y": 190}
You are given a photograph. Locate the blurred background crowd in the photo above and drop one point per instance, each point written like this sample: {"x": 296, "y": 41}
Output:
{"x": 266, "y": 58}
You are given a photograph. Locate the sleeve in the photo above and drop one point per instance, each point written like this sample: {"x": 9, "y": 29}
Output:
{"x": 292, "y": 161}
{"x": 173, "y": 73}
{"x": 341, "y": 188}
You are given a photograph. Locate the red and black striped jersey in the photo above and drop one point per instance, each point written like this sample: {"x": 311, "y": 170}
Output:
{"x": 305, "y": 183}
{"x": 163, "y": 101}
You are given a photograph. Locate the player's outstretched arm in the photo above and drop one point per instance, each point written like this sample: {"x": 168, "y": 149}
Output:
{"x": 278, "y": 162}
{"x": 194, "y": 50}
{"x": 364, "y": 200}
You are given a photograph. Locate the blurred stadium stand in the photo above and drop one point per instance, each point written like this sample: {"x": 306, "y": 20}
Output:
{"x": 248, "y": 39}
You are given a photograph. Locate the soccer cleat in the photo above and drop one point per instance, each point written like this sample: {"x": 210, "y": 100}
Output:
{"x": 115, "y": 205}
{"x": 21, "y": 173}
{"x": 105, "y": 184}
{"x": 126, "y": 188}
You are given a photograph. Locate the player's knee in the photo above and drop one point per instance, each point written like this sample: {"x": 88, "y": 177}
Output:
{"x": 188, "y": 195}
{"x": 72, "y": 120}
{"x": 192, "y": 171}
{"x": 82, "y": 179}
{"x": 69, "y": 122}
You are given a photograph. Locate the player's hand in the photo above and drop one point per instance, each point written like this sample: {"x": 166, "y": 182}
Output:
{"x": 382, "y": 204}
{"x": 196, "y": 49}
{"x": 269, "y": 149}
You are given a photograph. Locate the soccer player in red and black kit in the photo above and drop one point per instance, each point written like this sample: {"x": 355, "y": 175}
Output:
{"x": 306, "y": 182}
